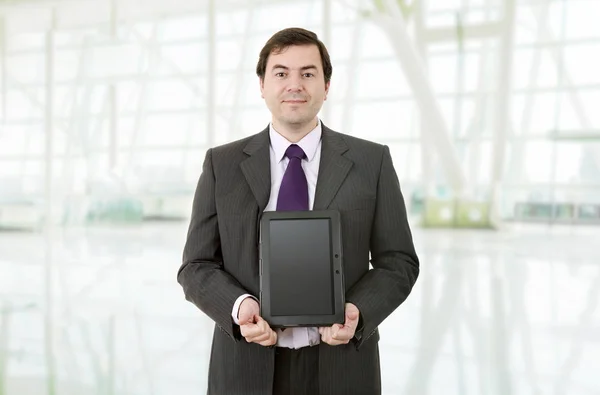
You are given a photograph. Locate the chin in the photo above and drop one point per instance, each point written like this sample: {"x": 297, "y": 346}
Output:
{"x": 297, "y": 120}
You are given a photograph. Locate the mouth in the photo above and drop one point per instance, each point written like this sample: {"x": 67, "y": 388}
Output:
{"x": 294, "y": 101}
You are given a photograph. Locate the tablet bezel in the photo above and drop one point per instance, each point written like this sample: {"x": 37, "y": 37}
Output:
{"x": 337, "y": 272}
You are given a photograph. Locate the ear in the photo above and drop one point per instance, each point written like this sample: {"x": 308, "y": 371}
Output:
{"x": 261, "y": 83}
{"x": 327, "y": 89}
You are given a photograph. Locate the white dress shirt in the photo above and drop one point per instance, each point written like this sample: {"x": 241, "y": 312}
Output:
{"x": 311, "y": 145}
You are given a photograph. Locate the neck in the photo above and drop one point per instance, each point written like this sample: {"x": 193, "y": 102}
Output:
{"x": 294, "y": 133}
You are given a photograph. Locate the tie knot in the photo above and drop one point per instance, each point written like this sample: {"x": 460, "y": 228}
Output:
{"x": 295, "y": 151}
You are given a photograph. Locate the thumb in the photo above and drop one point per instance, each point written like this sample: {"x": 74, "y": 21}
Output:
{"x": 351, "y": 315}
{"x": 247, "y": 319}
{"x": 262, "y": 323}
{"x": 335, "y": 328}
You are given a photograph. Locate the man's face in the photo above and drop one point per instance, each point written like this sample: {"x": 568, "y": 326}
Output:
{"x": 294, "y": 86}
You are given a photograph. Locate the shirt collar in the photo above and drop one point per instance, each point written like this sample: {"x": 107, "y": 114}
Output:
{"x": 309, "y": 143}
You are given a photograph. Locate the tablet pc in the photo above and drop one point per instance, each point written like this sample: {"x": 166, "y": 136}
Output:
{"x": 301, "y": 276}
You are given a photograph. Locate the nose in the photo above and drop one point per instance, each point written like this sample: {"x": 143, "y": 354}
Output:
{"x": 295, "y": 84}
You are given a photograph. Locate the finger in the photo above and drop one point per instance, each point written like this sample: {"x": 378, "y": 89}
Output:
{"x": 264, "y": 325}
{"x": 334, "y": 336}
{"x": 250, "y": 330}
{"x": 339, "y": 342}
{"x": 322, "y": 332}
{"x": 260, "y": 338}
{"x": 351, "y": 314}
{"x": 351, "y": 319}
{"x": 245, "y": 329}
{"x": 337, "y": 338}
{"x": 261, "y": 322}
{"x": 271, "y": 340}
{"x": 248, "y": 319}
{"x": 259, "y": 335}
{"x": 333, "y": 342}
{"x": 335, "y": 328}
{"x": 326, "y": 336}
{"x": 345, "y": 333}
{"x": 261, "y": 332}
{"x": 265, "y": 338}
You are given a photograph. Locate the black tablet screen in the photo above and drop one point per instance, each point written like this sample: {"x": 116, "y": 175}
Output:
{"x": 301, "y": 264}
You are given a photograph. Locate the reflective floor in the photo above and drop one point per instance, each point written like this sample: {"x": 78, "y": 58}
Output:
{"x": 509, "y": 312}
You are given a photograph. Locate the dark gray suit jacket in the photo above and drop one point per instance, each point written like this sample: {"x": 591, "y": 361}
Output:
{"x": 220, "y": 258}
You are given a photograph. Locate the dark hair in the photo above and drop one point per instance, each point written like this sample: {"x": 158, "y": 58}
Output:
{"x": 288, "y": 37}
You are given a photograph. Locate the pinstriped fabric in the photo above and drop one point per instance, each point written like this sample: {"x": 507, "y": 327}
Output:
{"x": 395, "y": 264}
{"x": 239, "y": 368}
{"x": 220, "y": 260}
{"x": 360, "y": 374}
{"x": 201, "y": 275}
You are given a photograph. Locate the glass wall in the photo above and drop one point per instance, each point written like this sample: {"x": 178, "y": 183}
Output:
{"x": 108, "y": 107}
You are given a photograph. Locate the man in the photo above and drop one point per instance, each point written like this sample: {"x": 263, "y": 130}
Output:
{"x": 240, "y": 180}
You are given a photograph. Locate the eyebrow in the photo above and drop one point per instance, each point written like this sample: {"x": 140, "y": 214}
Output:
{"x": 308, "y": 67}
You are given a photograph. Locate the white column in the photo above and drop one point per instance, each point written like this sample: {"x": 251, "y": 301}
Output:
{"x": 112, "y": 98}
{"x": 5, "y": 311}
{"x": 3, "y": 66}
{"x": 436, "y": 130}
{"x": 326, "y": 21}
{"x": 427, "y": 159}
{"x": 49, "y": 351}
{"x": 503, "y": 114}
{"x": 349, "y": 99}
{"x": 235, "y": 121}
{"x": 211, "y": 93}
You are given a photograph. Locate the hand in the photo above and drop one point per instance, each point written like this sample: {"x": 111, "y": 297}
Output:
{"x": 341, "y": 334}
{"x": 248, "y": 309}
{"x": 253, "y": 327}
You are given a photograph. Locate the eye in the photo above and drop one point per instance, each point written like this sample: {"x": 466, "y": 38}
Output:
{"x": 309, "y": 75}
{"x": 280, "y": 74}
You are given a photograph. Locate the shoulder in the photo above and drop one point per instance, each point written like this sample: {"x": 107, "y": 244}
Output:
{"x": 233, "y": 146}
{"x": 239, "y": 150}
{"x": 358, "y": 147}
{"x": 356, "y": 142}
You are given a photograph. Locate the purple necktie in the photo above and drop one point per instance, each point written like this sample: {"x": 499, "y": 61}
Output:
{"x": 293, "y": 193}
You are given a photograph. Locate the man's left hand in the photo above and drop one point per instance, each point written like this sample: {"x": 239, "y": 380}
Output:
{"x": 341, "y": 334}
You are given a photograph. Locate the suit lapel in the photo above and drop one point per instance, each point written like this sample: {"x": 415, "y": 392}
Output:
{"x": 333, "y": 168}
{"x": 257, "y": 168}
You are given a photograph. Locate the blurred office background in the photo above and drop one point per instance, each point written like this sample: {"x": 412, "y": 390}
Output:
{"x": 491, "y": 111}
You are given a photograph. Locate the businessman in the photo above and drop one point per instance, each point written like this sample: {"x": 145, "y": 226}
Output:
{"x": 296, "y": 163}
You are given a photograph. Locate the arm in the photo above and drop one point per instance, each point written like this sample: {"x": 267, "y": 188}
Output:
{"x": 395, "y": 263}
{"x": 204, "y": 282}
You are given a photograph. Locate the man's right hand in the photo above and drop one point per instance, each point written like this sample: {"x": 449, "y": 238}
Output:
{"x": 253, "y": 327}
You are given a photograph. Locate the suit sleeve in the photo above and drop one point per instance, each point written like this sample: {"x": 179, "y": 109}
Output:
{"x": 395, "y": 263}
{"x": 205, "y": 283}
